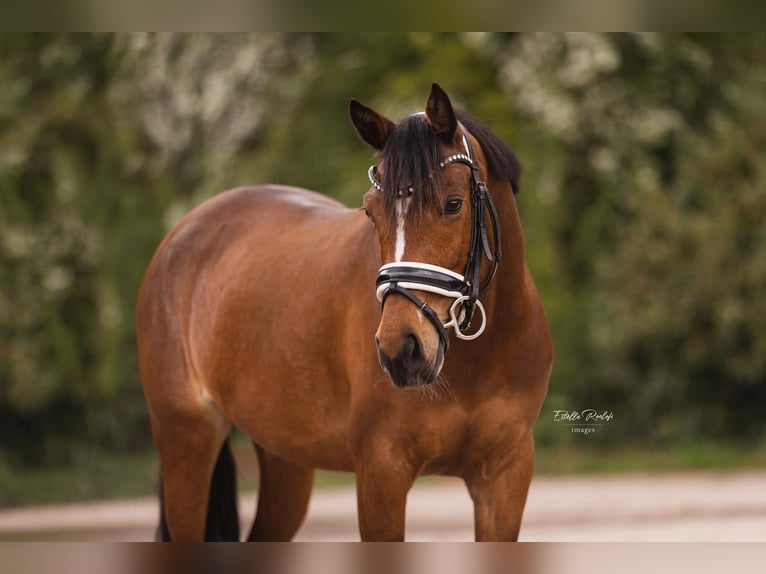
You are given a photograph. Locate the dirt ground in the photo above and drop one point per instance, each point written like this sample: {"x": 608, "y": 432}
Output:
{"x": 666, "y": 507}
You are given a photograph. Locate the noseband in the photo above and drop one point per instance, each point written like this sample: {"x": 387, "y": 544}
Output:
{"x": 407, "y": 276}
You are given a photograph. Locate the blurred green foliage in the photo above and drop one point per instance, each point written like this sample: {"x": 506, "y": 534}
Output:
{"x": 642, "y": 201}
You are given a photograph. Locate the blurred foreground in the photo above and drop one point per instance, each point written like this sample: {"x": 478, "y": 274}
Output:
{"x": 659, "y": 508}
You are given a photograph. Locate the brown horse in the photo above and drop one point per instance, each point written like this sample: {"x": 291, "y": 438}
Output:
{"x": 259, "y": 311}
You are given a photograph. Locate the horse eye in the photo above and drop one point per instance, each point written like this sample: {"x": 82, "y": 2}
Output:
{"x": 453, "y": 206}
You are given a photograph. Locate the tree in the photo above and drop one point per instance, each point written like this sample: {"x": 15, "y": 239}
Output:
{"x": 652, "y": 188}
{"x": 107, "y": 139}
{"x": 680, "y": 324}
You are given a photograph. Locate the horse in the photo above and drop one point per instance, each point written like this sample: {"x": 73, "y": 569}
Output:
{"x": 389, "y": 341}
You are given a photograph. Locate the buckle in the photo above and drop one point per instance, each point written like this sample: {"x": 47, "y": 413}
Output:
{"x": 454, "y": 321}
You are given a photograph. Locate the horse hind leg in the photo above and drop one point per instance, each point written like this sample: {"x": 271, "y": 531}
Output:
{"x": 198, "y": 483}
{"x": 190, "y": 431}
{"x": 283, "y": 498}
{"x": 222, "y": 521}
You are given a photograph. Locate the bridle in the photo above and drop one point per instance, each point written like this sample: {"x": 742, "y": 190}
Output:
{"x": 407, "y": 276}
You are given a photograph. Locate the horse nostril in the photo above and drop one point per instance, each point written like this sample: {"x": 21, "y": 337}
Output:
{"x": 412, "y": 354}
{"x": 385, "y": 361}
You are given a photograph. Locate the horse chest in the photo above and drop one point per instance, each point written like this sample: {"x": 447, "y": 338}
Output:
{"x": 454, "y": 440}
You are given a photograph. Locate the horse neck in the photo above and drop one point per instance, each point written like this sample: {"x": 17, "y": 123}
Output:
{"x": 509, "y": 283}
{"x": 506, "y": 302}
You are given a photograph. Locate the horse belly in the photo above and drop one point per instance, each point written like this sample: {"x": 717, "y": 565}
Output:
{"x": 297, "y": 417}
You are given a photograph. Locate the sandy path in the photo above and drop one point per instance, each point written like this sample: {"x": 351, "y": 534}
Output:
{"x": 670, "y": 507}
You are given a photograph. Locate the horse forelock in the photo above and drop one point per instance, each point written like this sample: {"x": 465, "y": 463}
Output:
{"x": 412, "y": 155}
{"x": 411, "y": 158}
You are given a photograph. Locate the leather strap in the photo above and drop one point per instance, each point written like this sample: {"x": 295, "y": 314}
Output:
{"x": 481, "y": 203}
{"x": 424, "y": 307}
{"x": 419, "y": 275}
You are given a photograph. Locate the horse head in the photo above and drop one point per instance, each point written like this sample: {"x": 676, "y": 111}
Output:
{"x": 436, "y": 224}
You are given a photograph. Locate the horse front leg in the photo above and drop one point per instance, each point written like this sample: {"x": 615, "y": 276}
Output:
{"x": 499, "y": 491}
{"x": 383, "y": 478}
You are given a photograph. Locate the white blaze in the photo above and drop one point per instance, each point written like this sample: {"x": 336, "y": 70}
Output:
{"x": 401, "y": 216}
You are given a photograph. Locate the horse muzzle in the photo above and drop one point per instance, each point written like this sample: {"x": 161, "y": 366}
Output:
{"x": 410, "y": 367}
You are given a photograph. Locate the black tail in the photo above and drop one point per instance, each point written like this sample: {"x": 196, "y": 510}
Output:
{"x": 222, "y": 513}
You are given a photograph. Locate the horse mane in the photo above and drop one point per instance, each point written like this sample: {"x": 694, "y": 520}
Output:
{"x": 502, "y": 163}
{"x": 411, "y": 156}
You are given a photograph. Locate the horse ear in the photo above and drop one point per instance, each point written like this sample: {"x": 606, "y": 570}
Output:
{"x": 372, "y": 127}
{"x": 440, "y": 114}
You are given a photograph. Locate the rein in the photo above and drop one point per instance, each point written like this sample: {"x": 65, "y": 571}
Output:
{"x": 407, "y": 276}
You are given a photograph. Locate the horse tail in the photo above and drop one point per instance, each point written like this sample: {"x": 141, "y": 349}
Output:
{"x": 163, "y": 534}
{"x": 222, "y": 513}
